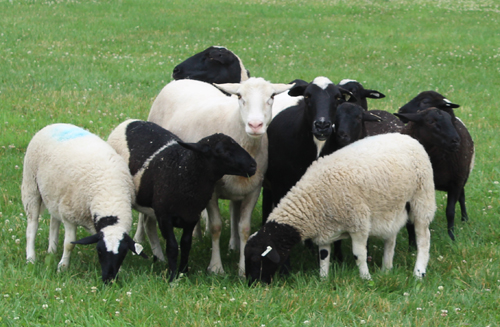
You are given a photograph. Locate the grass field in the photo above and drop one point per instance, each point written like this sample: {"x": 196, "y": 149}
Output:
{"x": 95, "y": 63}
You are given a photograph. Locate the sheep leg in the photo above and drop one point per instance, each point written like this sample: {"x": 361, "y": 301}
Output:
{"x": 324, "y": 260}
{"x": 235, "y": 210}
{"x": 247, "y": 206}
{"x": 149, "y": 226}
{"x": 215, "y": 225}
{"x": 32, "y": 212}
{"x": 53, "y": 234}
{"x": 389, "y": 245}
{"x": 461, "y": 200}
{"x": 411, "y": 235}
{"x": 139, "y": 233}
{"x": 423, "y": 247}
{"x": 450, "y": 213}
{"x": 172, "y": 248}
{"x": 337, "y": 251}
{"x": 69, "y": 236}
{"x": 359, "y": 241}
{"x": 186, "y": 241}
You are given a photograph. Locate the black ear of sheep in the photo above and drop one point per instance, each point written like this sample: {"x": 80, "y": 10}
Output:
{"x": 372, "y": 94}
{"x": 405, "y": 118}
{"x": 196, "y": 147}
{"x": 92, "y": 239}
{"x": 271, "y": 254}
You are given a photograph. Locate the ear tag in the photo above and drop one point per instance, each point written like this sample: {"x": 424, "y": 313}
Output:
{"x": 138, "y": 248}
{"x": 448, "y": 102}
{"x": 375, "y": 95}
{"x": 347, "y": 97}
{"x": 269, "y": 249}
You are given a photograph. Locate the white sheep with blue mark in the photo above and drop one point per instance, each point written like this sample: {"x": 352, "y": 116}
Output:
{"x": 82, "y": 181}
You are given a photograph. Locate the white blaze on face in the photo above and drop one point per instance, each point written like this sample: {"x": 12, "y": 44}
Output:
{"x": 112, "y": 238}
{"x": 345, "y": 81}
{"x": 322, "y": 82}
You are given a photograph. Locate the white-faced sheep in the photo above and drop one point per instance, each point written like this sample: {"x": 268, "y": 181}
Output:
{"x": 82, "y": 181}
{"x": 215, "y": 64}
{"x": 175, "y": 180}
{"x": 368, "y": 188}
{"x": 188, "y": 109}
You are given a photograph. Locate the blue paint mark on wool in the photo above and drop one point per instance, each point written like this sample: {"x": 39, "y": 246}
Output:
{"x": 69, "y": 132}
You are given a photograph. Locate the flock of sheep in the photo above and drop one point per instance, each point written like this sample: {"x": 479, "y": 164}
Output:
{"x": 328, "y": 168}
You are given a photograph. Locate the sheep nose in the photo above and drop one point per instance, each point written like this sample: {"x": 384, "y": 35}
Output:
{"x": 322, "y": 125}
{"x": 255, "y": 125}
{"x": 343, "y": 136}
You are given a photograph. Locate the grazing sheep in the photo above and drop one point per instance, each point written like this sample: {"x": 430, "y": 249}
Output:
{"x": 175, "y": 180}
{"x": 368, "y": 188}
{"x": 192, "y": 111}
{"x": 451, "y": 150}
{"x": 213, "y": 65}
{"x": 82, "y": 181}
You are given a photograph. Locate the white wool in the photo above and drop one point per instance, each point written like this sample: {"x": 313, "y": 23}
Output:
{"x": 79, "y": 176}
{"x": 362, "y": 189}
{"x": 322, "y": 82}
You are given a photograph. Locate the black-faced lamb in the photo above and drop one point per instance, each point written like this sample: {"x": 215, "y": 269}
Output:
{"x": 175, "y": 180}
{"x": 192, "y": 110}
{"x": 82, "y": 181}
{"x": 388, "y": 123}
{"x": 451, "y": 150}
{"x": 297, "y": 136}
{"x": 215, "y": 64}
{"x": 368, "y": 188}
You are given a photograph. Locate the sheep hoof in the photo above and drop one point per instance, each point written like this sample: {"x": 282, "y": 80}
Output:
{"x": 218, "y": 270}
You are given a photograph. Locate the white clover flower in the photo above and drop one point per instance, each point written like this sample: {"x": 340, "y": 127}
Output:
{"x": 129, "y": 293}
{"x": 117, "y": 300}
{"x": 419, "y": 309}
{"x": 6, "y": 295}
{"x": 362, "y": 322}
{"x": 117, "y": 313}
{"x": 232, "y": 299}
{"x": 306, "y": 322}
{"x": 406, "y": 294}
{"x": 58, "y": 289}
{"x": 45, "y": 306}
{"x": 440, "y": 288}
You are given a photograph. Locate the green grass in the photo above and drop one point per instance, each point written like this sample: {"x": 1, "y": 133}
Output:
{"x": 95, "y": 63}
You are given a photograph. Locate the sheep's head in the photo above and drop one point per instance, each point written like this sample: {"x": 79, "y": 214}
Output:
{"x": 213, "y": 65}
{"x": 429, "y": 99}
{"x": 349, "y": 123}
{"x": 433, "y": 127}
{"x": 359, "y": 92}
{"x": 255, "y": 98}
{"x": 226, "y": 155}
{"x": 112, "y": 249}
{"x": 321, "y": 98}
{"x": 261, "y": 258}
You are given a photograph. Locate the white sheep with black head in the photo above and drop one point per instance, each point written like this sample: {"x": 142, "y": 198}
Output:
{"x": 82, "y": 181}
{"x": 371, "y": 187}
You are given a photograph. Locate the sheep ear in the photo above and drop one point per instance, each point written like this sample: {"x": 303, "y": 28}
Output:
{"x": 271, "y": 254}
{"x": 450, "y": 104}
{"x": 348, "y": 96}
{"x": 231, "y": 88}
{"x": 280, "y": 88}
{"x": 136, "y": 248}
{"x": 368, "y": 116}
{"x": 92, "y": 239}
{"x": 297, "y": 90}
{"x": 196, "y": 147}
{"x": 372, "y": 94}
{"x": 405, "y": 118}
